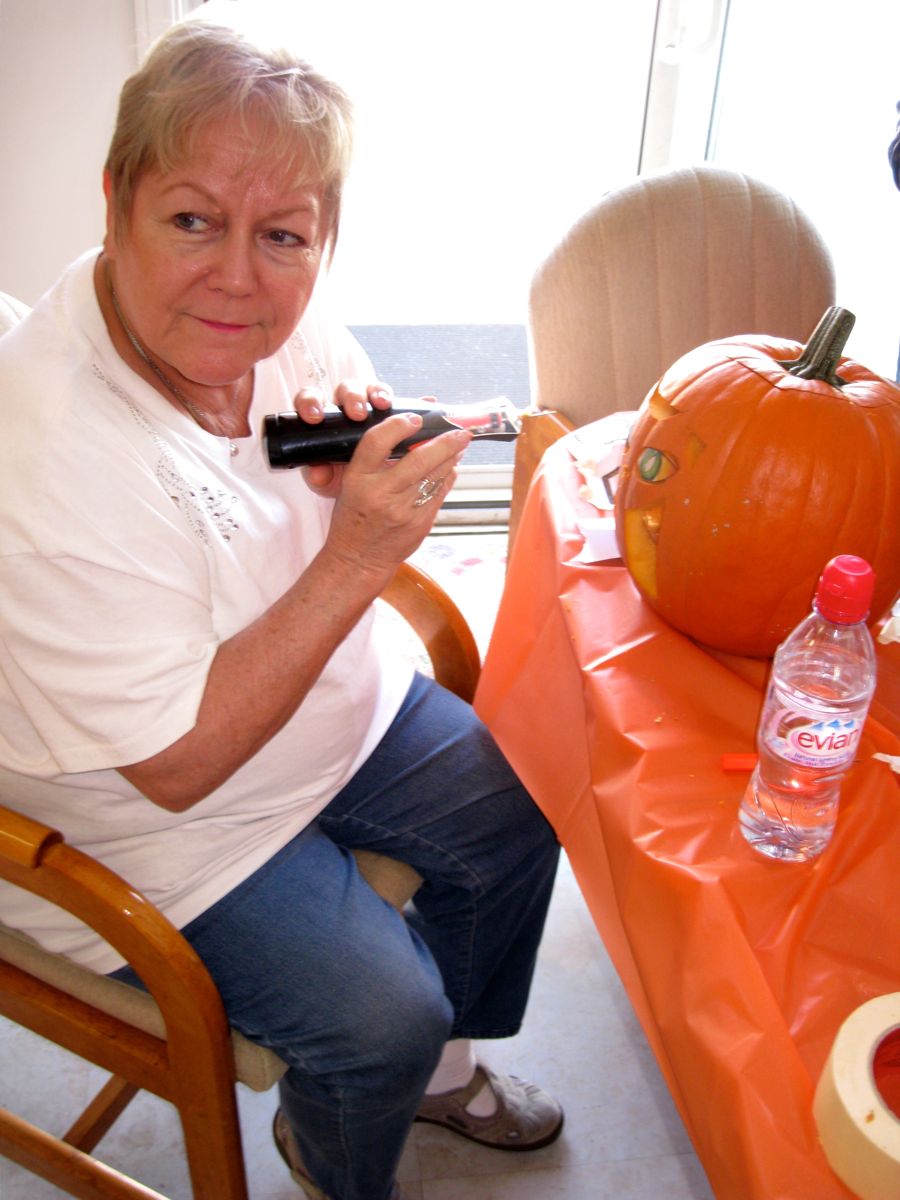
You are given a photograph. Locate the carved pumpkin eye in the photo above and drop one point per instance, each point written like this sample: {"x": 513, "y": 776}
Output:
{"x": 655, "y": 465}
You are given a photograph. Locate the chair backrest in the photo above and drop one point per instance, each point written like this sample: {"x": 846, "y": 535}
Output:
{"x": 660, "y": 266}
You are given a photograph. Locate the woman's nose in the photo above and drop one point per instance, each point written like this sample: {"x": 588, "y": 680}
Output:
{"x": 232, "y": 269}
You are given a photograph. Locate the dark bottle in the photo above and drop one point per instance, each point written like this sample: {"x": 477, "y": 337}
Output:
{"x": 292, "y": 442}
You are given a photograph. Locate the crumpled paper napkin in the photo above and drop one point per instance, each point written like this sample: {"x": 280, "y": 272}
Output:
{"x": 597, "y": 449}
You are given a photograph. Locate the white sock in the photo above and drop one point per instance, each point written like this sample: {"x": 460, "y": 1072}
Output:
{"x": 455, "y": 1069}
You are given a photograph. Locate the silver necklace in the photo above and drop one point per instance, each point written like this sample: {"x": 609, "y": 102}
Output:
{"x": 188, "y": 405}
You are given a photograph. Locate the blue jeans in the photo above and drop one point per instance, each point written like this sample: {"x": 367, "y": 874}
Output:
{"x": 356, "y": 999}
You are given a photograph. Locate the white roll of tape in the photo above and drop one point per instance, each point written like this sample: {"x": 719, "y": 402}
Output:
{"x": 859, "y": 1132}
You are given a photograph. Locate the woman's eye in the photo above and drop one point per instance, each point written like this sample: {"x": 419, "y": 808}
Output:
{"x": 281, "y": 237}
{"x": 190, "y": 222}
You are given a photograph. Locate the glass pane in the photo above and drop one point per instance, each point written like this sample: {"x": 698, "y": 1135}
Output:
{"x": 807, "y": 102}
{"x": 485, "y": 127}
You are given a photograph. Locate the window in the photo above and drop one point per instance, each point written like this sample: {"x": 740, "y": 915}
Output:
{"x": 807, "y": 97}
{"x": 802, "y": 96}
{"x": 484, "y": 128}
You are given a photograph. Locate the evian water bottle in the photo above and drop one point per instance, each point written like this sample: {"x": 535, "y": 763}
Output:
{"x": 822, "y": 680}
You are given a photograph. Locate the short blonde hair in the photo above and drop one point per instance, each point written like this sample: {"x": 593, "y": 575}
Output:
{"x": 197, "y": 73}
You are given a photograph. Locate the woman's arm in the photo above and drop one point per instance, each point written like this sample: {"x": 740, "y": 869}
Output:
{"x": 260, "y": 676}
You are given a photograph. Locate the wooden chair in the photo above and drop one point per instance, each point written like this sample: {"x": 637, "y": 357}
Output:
{"x": 174, "y": 1041}
{"x": 657, "y": 267}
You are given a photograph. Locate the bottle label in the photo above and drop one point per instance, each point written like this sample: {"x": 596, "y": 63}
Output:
{"x": 808, "y": 740}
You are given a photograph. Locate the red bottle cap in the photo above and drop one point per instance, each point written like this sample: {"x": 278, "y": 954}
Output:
{"x": 844, "y": 594}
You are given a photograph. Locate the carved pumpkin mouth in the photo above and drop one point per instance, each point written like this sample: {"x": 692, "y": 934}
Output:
{"x": 641, "y": 535}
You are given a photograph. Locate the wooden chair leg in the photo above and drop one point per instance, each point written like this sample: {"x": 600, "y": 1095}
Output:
{"x": 65, "y": 1166}
{"x": 212, "y": 1141}
{"x": 101, "y": 1113}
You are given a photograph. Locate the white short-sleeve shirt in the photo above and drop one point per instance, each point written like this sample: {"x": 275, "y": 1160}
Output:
{"x": 131, "y": 544}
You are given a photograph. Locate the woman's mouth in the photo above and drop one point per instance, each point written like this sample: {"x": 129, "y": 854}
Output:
{"x": 222, "y": 326}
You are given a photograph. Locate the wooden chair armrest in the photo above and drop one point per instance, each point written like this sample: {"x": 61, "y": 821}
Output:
{"x": 440, "y": 626}
{"x": 22, "y": 840}
{"x": 35, "y": 857}
{"x": 540, "y": 429}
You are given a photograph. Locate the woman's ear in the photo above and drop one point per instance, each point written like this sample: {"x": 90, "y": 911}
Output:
{"x": 109, "y": 240}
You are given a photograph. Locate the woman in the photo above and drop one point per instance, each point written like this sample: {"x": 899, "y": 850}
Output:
{"x": 191, "y": 685}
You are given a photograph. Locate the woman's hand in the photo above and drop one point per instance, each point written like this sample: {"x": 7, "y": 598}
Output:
{"x": 355, "y": 399}
{"x": 387, "y": 505}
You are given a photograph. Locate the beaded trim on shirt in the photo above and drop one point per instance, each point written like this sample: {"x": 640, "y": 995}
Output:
{"x": 314, "y": 368}
{"x": 201, "y": 506}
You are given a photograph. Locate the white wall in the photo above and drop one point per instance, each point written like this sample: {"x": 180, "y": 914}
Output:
{"x": 62, "y": 63}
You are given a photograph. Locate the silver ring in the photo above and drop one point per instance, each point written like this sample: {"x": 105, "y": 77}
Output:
{"x": 428, "y": 489}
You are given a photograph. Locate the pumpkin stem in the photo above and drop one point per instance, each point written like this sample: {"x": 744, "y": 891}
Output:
{"x": 822, "y": 353}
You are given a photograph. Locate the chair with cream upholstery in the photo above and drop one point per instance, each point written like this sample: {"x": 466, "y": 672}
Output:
{"x": 657, "y": 267}
{"x": 173, "y": 1040}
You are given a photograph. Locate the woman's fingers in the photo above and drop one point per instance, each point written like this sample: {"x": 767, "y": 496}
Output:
{"x": 353, "y": 396}
{"x": 375, "y": 471}
{"x": 310, "y": 404}
{"x": 429, "y": 457}
{"x": 380, "y": 395}
{"x": 386, "y": 505}
{"x": 356, "y": 398}
{"x": 323, "y": 478}
{"x": 400, "y": 486}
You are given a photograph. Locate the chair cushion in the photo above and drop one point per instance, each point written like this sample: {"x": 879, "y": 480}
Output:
{"x": 255, "y": 1066}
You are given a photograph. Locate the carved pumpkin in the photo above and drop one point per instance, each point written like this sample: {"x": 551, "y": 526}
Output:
{"x": 751, "y": 464}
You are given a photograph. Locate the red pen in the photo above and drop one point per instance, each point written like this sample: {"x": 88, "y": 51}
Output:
{"x": 738, "y": 762}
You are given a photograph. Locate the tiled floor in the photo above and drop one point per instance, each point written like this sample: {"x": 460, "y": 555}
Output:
{"x": 623, "y": 1137}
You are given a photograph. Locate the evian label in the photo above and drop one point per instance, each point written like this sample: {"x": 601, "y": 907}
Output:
{"x": 814, "y": 743}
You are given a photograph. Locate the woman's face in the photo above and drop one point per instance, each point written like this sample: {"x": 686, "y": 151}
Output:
{"x": 219, "y": 259}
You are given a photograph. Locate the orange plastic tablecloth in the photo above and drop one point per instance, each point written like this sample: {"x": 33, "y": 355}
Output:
{"x": 740, "y": 969}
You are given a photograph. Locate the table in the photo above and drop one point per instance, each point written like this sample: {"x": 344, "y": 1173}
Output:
{"x": 740, "y": 969}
